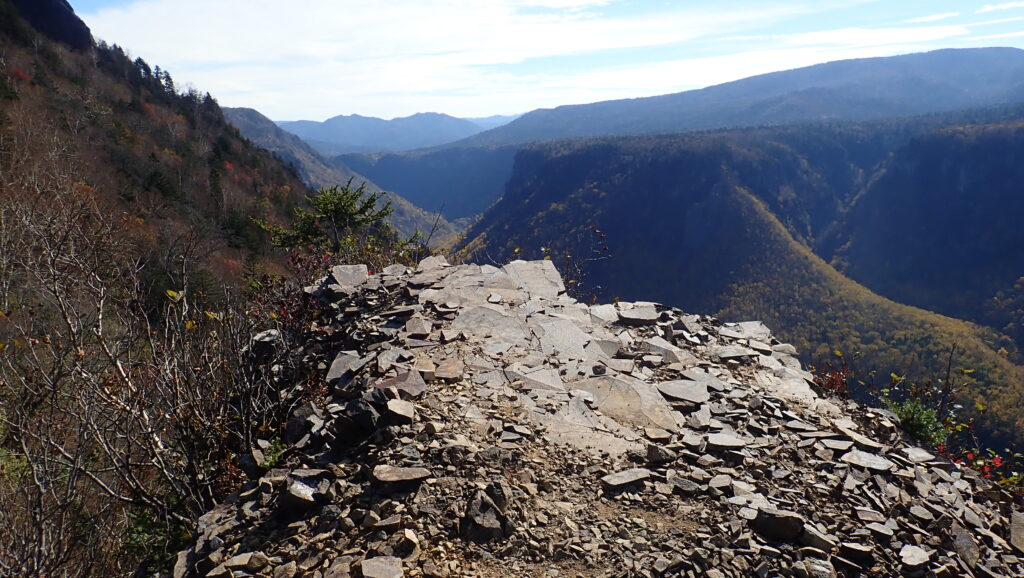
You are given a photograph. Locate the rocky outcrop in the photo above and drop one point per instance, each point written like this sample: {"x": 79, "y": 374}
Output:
{"x": 57, "y": 20}
{"x": 480, "y": 422}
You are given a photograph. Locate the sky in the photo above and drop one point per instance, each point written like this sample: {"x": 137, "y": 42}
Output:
{"x": 314, "y": 59}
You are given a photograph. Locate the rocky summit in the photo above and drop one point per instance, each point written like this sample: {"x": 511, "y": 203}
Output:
{"x": 477, "y": 421}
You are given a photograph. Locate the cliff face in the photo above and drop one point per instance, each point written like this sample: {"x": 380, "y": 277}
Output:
{"x": 57, "y": 20}
{"x": 475, "y": 420}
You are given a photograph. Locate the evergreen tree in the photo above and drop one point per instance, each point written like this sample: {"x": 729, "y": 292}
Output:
{"x": 335, "y": 215}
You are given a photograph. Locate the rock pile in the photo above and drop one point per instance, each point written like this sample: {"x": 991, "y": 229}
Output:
{"x": 479, "y": 422}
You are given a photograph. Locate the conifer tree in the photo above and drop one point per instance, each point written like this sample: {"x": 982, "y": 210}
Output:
{"x": 335, "y": 214}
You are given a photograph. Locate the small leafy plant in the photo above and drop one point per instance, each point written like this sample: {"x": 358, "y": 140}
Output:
{"x": 272, "y": 457}
{"x": 928, "y": 413}
{"x": 918, "y": 420}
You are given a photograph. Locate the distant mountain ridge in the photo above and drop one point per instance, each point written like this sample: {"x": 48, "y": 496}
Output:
{"x": 859, "y": 89}
{"x": 493, "y": 121}
{"x": 938, "y": 82}
{"x": 356, "y": 133}
{"x": 319, "y": 172}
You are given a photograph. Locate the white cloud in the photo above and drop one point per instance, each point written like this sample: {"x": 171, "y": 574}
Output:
{"x": 335, "y": 56}
{"x": 998, "y": 36}
{"x": 995, "y": 7}
{"x": 318, "y": 58}
{"x": 866, "y": 37}
{"x": 999, "y": 21}
{"x": 933, "y": 18}
{"x": 485, "y": 32}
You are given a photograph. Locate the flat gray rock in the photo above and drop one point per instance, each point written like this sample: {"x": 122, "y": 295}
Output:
{"x": 298, "y": 495}
{"x": 965, "y": 546}
{"x": 690, "y": 391}
{"x": 382, "y": 567}
{"x": 669, "y": 352}
{"x": 848, "y": 428}
{"x": 784, "y": 384}
{"x": 1017, "y": 531}
{"x": 880, "y": 529}
{"x": 410, "y": 383}
{"x": 418, "y": 327}
{"x": 450, "y": 370}
{"x": 349, "y": 276}
{"x": 644, "y": 315}
{"x": 734, "y": 352}
{"x": 603, "y": 349}
{"x": 918, "y": 455}
{"x": 537, "y": 278}
{"x": 700, "y": 419}
{"x": 702, "y": 376}
{"x": 576, "y": 424}
{"x": 816, "y": 539}
{"x": 543, "y": 378}
{"x": 816, "y": 568}
{"x": 868, "y": 461}
{"x": 343, "y": 366}
{"x": 432, "y": 263}
{"x": 914, "y": 556}
{"x": 725, "y": 441}
{"x": 604, "y": 313}
{"x": 629, "y": 401}
{"x": 394, "y": 475}
{"x": 837, "y": 445}
{"x": 492, "y": 324}
{"x": 403, "y": 412}
{"x": 625, "y": 478}
{"x": 563, "y": 338}
{"x": 752, "y": 330}
{"x": 657, "y": 454}
{"x": 241, "y": 561}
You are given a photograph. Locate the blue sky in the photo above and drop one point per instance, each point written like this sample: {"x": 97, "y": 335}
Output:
{"x": 312, "y": 59}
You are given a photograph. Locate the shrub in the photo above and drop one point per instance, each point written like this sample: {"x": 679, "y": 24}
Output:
{"x": 918, "y": 420}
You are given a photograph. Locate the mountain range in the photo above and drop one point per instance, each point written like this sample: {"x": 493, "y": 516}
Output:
{"x": 355, "y": 133}
{"x": 915, "y": 84}
{"x": 319, "y": 172}
{"x": 861, "y": 89}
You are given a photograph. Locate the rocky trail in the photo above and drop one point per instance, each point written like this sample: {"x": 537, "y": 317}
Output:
{"x": 477, "y": 421}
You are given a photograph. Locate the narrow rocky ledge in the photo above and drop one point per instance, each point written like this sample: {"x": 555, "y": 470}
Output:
{"x": 479, "y": 422}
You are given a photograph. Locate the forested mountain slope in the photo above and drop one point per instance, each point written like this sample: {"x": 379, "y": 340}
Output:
{"x": 99, "y": 121}
{"x": 940, "y": 227}
{"x": 125, "y": 206}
